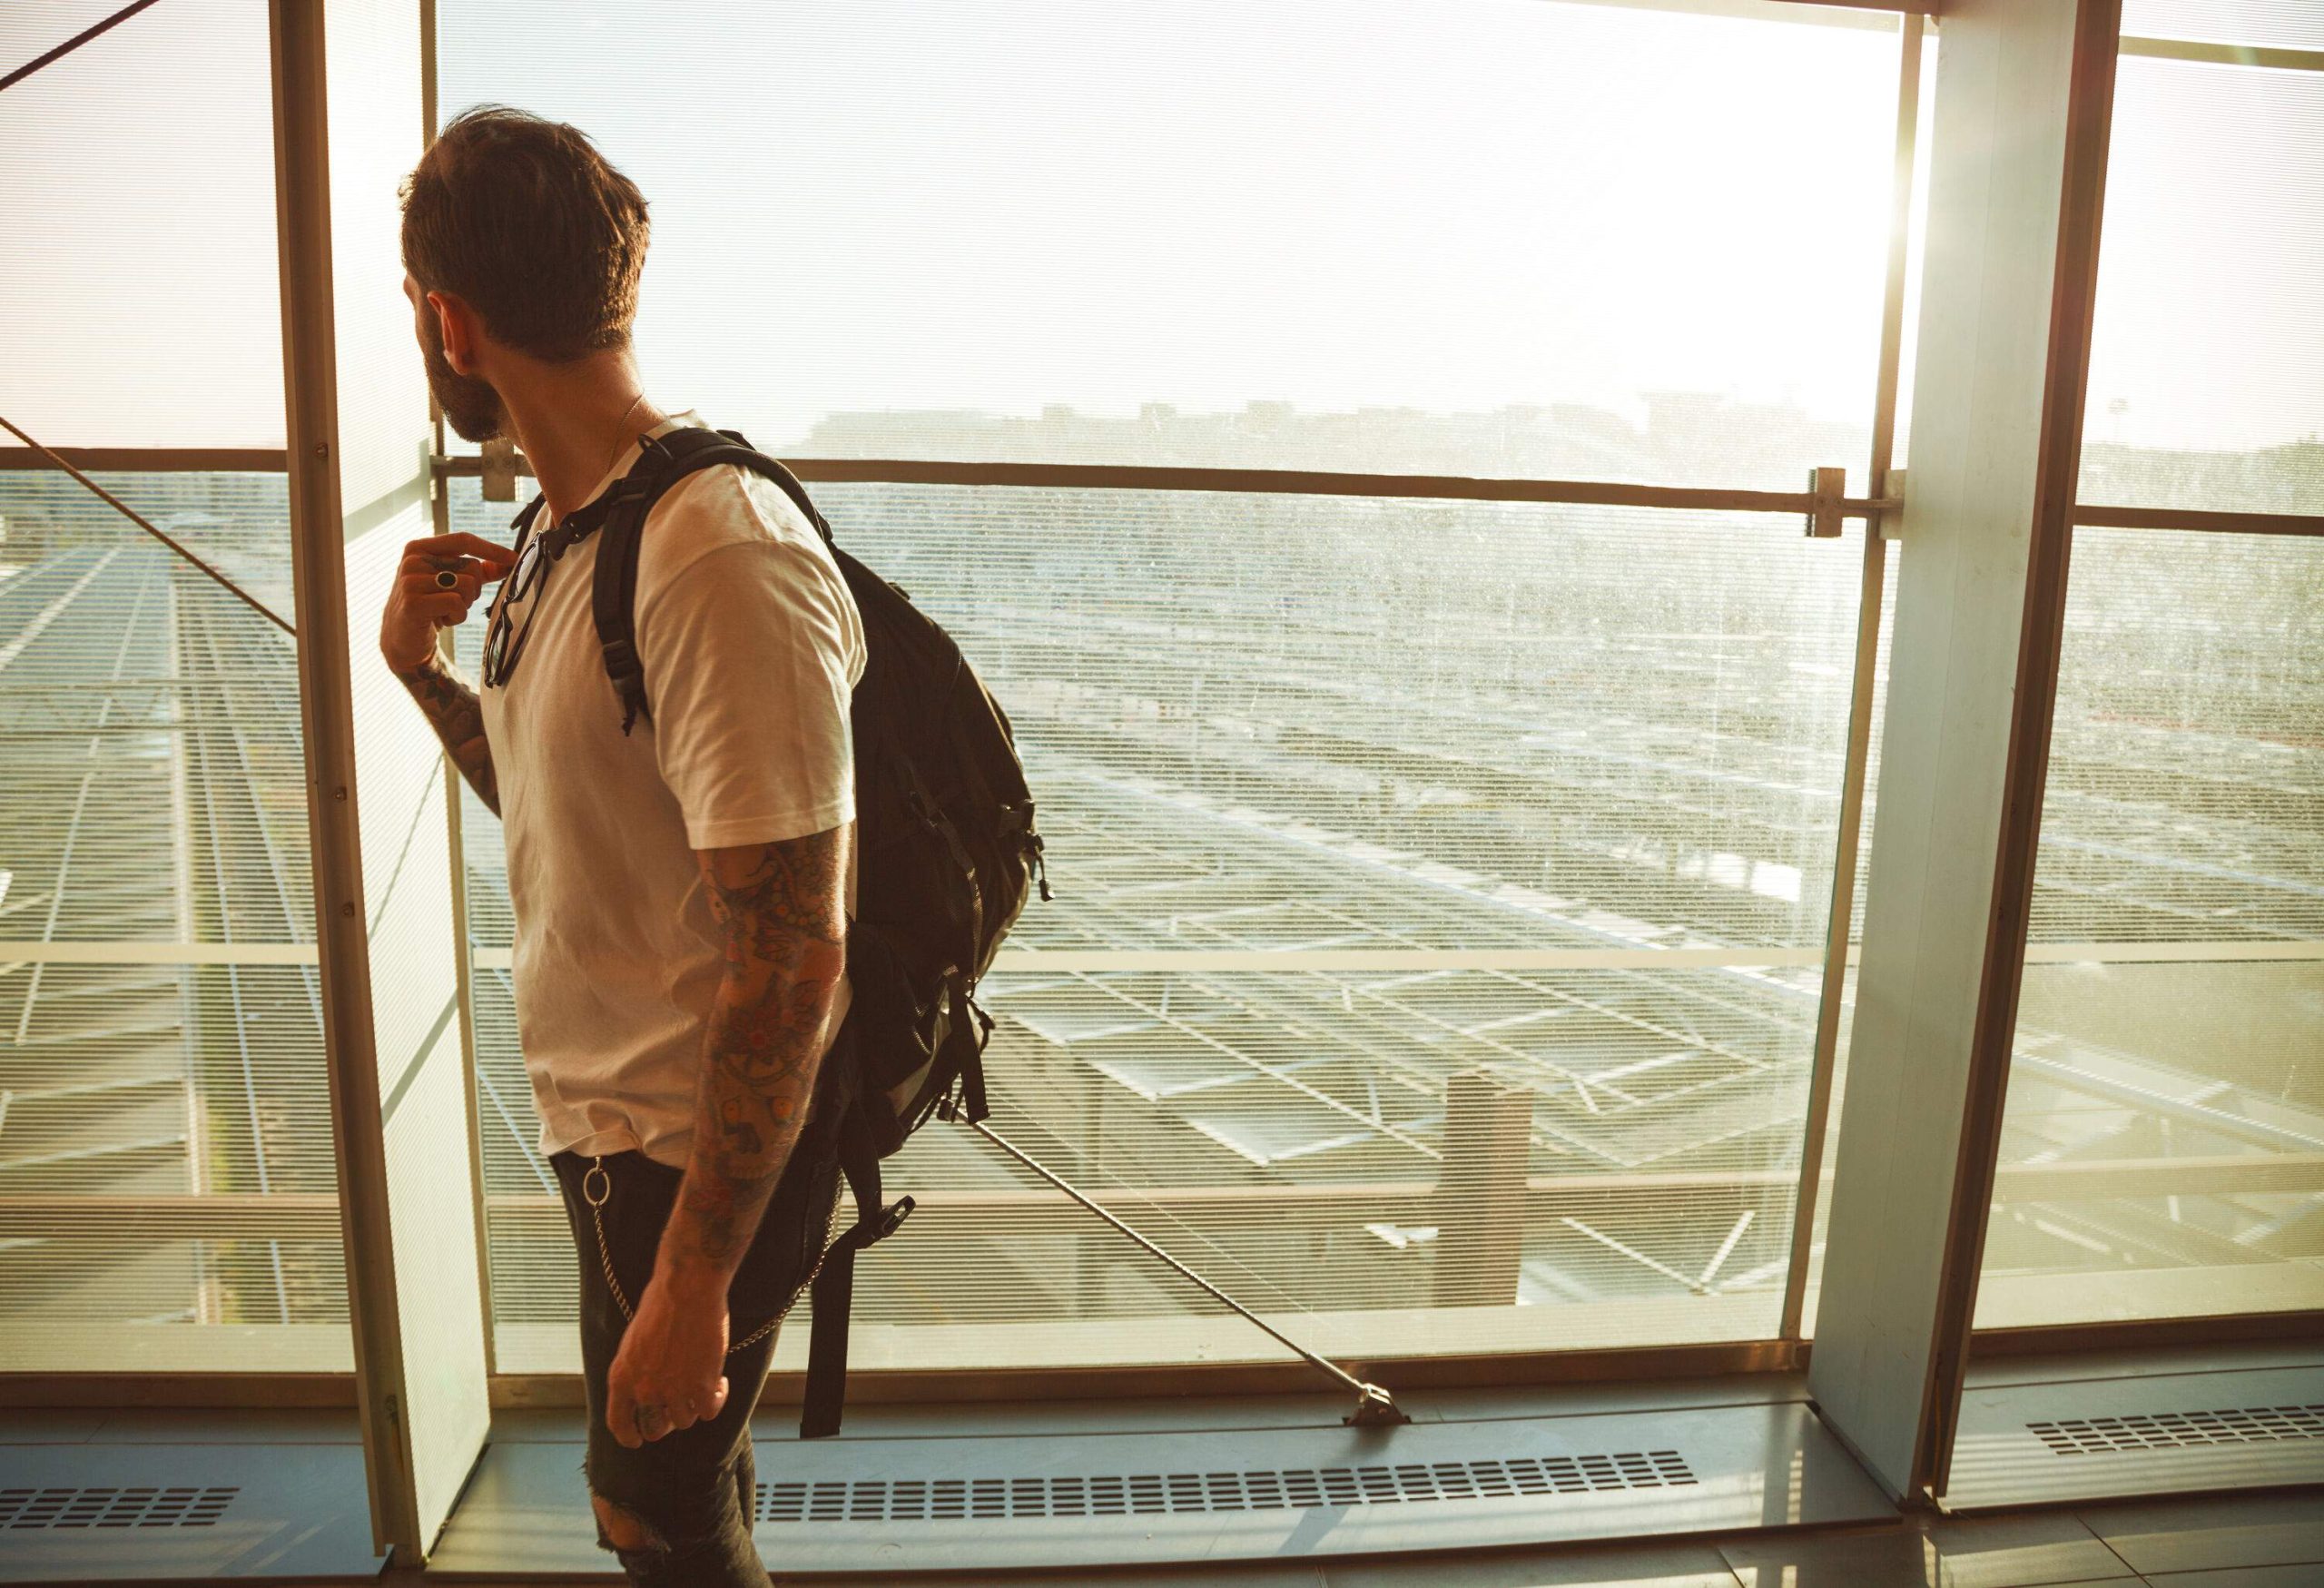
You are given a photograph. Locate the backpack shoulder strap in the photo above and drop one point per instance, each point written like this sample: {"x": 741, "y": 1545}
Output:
{"x": 767, "y": 468}
{"x": 612, "y": 590}
{"x": 662, "y": 462}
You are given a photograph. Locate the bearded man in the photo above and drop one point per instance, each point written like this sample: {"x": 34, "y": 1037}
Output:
{"x": 682, "y": 892}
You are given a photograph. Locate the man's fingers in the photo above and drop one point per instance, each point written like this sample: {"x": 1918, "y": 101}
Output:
{"x": 636, "y": 1418}
{"x": 461, "y": 544}
{"x": 443, "y": 606}
{"x": 461, "y": 541}
{"x": 700, "y": 1405}
{"x": 420, "y": 584}
{"x": 621, "y": 1417}
{"x": 467, "y": 568}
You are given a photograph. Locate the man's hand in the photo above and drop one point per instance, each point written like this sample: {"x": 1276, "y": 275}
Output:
{"x": 417, "y": 606}
{"x": 666, "y": 1375}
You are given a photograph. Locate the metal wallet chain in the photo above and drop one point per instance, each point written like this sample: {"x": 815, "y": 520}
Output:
{"x": 597, "y": 1186}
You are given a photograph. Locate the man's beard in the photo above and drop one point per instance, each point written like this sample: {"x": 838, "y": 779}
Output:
{"x": 471, "y": 406}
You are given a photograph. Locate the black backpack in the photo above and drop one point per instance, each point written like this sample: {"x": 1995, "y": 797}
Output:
{"x": 946, "y": 855}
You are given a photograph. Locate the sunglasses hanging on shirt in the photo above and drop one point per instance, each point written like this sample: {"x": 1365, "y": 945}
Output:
{"x": 504, "y": 641}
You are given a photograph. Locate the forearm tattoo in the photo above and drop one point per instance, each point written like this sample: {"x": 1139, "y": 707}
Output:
{"x": 783, "y": 907}
{"x": 453, "y": 710}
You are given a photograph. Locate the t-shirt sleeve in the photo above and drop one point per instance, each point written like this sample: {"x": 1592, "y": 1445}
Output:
{"x": 751, "y": 654}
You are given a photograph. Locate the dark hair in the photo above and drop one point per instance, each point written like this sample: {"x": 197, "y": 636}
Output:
{"x": 536, "y": 230}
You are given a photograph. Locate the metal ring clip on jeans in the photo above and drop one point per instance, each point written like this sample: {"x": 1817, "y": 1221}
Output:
{"x": 598, "y": 1188}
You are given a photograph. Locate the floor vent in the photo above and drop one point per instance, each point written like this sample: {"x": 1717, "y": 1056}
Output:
{"x": 1160, "y": 1494}
{"x": 113, "y": 1507}
{"x": 2178, "y": 1430}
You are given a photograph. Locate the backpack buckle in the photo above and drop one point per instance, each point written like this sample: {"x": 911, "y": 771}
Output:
{"x": 630, "y": 487}
{"x": 620, "y": 657}
{"x": 890, "y": 1219}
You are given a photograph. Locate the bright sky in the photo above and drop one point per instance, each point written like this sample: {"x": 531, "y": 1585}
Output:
{"x": 1001, "y": 205}
{"x": 1336, "y": 204}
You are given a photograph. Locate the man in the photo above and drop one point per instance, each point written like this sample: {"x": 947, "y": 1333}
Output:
{"x": 682, "y": 892}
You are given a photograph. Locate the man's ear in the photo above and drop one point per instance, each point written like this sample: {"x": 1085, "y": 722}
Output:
{"x": 461, "y": 329}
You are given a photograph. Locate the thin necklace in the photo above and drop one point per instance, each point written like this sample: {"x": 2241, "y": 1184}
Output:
{"x": 622, "y": 424}
{"x": 621, "y": 446}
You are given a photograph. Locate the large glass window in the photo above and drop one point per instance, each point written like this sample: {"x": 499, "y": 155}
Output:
{"x": 1442, "y": 885}
{"x": 168, "y": 1197}
{"x": 1459, "y": 994}
{"x": 2163, "y": 1149}
{"x": 1505, "y": 237}
{"x": 165, "y": 1150}
{"x": 2165, "y": 1118}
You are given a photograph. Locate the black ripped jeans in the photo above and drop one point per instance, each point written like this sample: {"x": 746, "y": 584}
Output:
{"x": 693, "y": 1491}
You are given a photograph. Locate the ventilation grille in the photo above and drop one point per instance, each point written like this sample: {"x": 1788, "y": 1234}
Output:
{"x": 1161, "y": 1494}
{"x": 113, "y": 1507}
{"x": 2177, "y": 1430}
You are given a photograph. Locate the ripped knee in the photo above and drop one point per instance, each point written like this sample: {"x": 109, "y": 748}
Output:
{"x": 621, "y": 1529}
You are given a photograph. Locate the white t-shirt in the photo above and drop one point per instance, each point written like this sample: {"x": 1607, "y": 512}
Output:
{"x": 752, "y": 647}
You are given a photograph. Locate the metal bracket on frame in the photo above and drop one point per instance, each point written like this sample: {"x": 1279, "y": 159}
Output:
{"x": 500, "y": 469}
{"x": 1889, "y": 525}
{"x": 1829, "y": 487}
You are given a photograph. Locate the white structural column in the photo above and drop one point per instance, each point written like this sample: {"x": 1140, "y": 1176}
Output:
{"x": 2017, "y": 164}
{"x": 348, "y": 83}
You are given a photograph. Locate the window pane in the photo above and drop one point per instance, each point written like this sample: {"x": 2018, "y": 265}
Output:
{"x": 1333, "y": 908}
{"x": 1505, "y": 237}
{"x": 1892, "y": 551}
{"x": 165, "y": 1153}
{"x": 2294, "y": 23}
{"x": 2163, "y": 1148}
{"x": 139, "y": 258}
{"x": 2206, "y": 386}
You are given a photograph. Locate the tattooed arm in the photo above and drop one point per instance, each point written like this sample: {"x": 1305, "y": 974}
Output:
{"x": 452, "y": 709}
{"x": 416, "y": 608}
{"x": 783, "y": 909}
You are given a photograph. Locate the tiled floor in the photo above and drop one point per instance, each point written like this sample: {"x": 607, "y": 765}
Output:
{"x": 2274, "y": 1540}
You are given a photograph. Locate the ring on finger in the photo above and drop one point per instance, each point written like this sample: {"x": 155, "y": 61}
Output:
{"x": 446, "y": 580}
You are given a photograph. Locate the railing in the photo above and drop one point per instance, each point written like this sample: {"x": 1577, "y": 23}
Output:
{"x": 1571, "y": 1197}
{"x": 962, "y": 1214}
